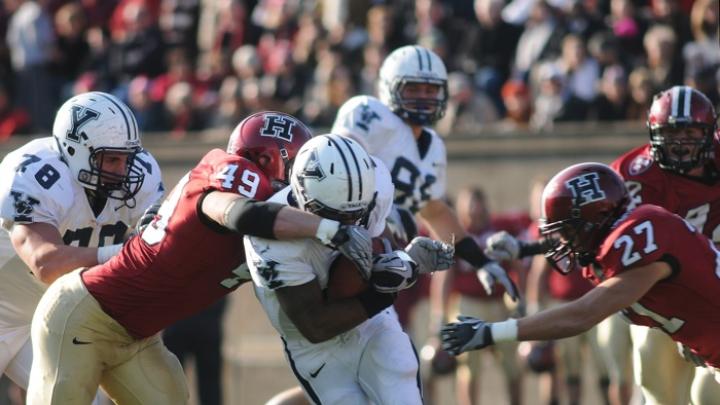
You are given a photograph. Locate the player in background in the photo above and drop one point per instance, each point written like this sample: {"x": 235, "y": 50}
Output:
{"x": 648, "y": 262}
{"x": 350, "y": 350}
{"x": 396, "y": 128}
{"x": 67, "y": 201}
{"x": 99, "y": 326}
{"x": 679, "y": 170}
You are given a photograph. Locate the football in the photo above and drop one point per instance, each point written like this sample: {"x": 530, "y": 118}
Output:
{"x": 344, "y": 279}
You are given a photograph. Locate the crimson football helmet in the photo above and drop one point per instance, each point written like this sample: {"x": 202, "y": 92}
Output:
{"x": 271, "y": 140}
{"x": 580, "y": 205}
{"x": 681, "y": 107}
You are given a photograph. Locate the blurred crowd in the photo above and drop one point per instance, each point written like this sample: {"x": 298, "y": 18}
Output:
{"x": 189, "y": 65}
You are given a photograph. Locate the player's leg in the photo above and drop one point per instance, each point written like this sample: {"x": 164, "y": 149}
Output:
{"x": 569, "y": 356}
{"x": 705, "y": 388}
{"x": 327, "y": 371}
{"x": 152, "y": 375}
{"x": 663, "y": 375}
{"x": 591, "y": 339}
{"x": 614, "y": 345}
{"x": 66, "y": 345}
{"x": 389, "y": 367}
{"x": 16, "y": 358}
{"x": 291, "y": 396}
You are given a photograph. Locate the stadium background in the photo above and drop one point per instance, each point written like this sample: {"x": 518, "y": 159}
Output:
{"x": 534, "y": 85}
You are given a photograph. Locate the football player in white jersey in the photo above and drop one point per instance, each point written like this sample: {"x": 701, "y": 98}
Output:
{"x": 67, "y": 201}
{"x": 396, "y": 128}
{"x": 352, "y": 350}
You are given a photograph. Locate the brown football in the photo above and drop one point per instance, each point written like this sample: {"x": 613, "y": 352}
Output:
{"x": 344, "y": 279}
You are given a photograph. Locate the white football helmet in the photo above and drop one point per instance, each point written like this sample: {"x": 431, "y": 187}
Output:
{"x": 334, "y": 177}
{"x": 413, "y": 64}
{"x": 86, "y": 126}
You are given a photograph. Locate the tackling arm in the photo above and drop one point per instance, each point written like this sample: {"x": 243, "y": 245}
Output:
{"x": 42, "y": 248}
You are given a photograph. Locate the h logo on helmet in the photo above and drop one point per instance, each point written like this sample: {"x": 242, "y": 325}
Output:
{"x": 277, "y": 126}
{"x": 585, "y": 188}
{"x": 80, "y": 116}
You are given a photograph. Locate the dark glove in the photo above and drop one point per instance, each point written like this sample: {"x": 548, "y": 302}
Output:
{"x": 468, "y": 334}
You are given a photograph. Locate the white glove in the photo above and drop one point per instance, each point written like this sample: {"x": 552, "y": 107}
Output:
{"x": 502, "y": 246}
{"x": 492, "y": 273}
{"x": 430, "y": 255}
{"x": 393, "y": 272}
{"x": 352, "y": 241}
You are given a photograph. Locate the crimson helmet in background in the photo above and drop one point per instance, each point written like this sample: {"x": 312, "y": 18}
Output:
{"x": 681, "y": 107}
{"x": 579, "y": 206}
{"x": 271, "y": 140}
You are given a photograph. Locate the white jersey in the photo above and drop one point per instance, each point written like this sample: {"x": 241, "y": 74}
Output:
{"x": 37, "y": 187}
{"x": 418, "y": 167}
{"x": 275, "y": 264}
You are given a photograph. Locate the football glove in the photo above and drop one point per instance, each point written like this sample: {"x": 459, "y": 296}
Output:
{"x": 468, "y": 334}
{"x": 354, "y": 242}
{"x": 430, "y": 255}
{"x": 393, "y": 272}
{"x": 492, "y": 273}
{"x": 147, "y": 217}
{"x": 502, "y": 246}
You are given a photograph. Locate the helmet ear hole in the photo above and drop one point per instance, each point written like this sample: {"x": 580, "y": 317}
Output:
{"x": 71, "y": 150}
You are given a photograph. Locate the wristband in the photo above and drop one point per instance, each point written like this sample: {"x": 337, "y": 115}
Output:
{"x": 105, "y": 253}
{"x": 373, "y": 301}
{"x": 505, "y": 331}
{"x": 326, "y": 230}
{"x": 468, "y": 250}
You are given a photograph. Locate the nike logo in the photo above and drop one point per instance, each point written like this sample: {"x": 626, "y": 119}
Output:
{"x": 313, "y": 375}
{"x": 79, "y": 342}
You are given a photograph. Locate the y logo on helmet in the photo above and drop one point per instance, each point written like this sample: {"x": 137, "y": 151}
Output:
{"x": 23, "y": 206}
{"x": 312, "y": 168}
{"x": 277, "y": 126}
{"x": 585, "y": 188}
{"x": 80, "y": 116}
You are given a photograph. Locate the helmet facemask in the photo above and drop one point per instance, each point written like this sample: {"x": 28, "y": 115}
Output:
{"x": 670, "y": 150}
{"x": 419, "y": 111}
{"x": 112, "y": 185}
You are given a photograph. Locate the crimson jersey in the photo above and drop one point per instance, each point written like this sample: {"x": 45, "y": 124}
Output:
{"x": 686, "y": 305}
{"x": 697, "y": 202}
{"x": 182, "y": 262}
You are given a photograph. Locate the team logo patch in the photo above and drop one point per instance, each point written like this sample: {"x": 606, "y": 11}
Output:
{"x": 79, "y": 116}
{"x": 640, "y": 164}
{"x": 24, "y": 206}
{"x": 585, "y": 189}
{"x": 266, "y": 269}
{"x": 312, "y": 169}
{"x": 367, "y": 116}
{"x": 278, "y": 126}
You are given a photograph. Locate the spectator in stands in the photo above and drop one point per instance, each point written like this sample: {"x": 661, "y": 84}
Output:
{"x": 581, "y": 71}
{"x": 613, "y": 100}
{"x": 72, "y": 50}
{"x": 148, "y": 112}
{"x": 488, "y": 49}
{"x": 660, "y": 43}
{"x": 582, "y": 18}
{"x": 31, "y": 38}
{"x": 641, "y": 93}
{"x": 518, "y": 106}
{"x": 668, "y": 13}
{"x": 539, "y": 40}
{"x": 13, "y": 120}
{"x": 468, "y": 110}
{"x": 627, "y": 28}
{"x": 373, "y": 55}
{"x": 138, "y": 48}
{"x": 604, "y": 47}
{"x": 704, "y": 51}
{"x": 178, "y": 22}
{"x": 554, "y": 101}
{"x": 230, "y": 109}
{"x": 182, "y": 116}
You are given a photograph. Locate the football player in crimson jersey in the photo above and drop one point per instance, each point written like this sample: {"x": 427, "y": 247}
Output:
{"x": 67, "y": 200}
{"x": 99, "y": 326}
{"x": 650, "y": 263}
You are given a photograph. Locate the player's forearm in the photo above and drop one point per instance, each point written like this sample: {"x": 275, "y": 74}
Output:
{"x": 49, "y": 262}
{"x": 327, "y": 321}
{"x": 556, "y": 323}
{"x": 442, "y": 221}
{"x": 292, "y": 223}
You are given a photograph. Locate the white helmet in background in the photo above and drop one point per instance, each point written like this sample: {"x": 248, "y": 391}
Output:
{"x": 334, "y": 177}
{"x": 90, "y": 124}
{"x": 413, "y": 64}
